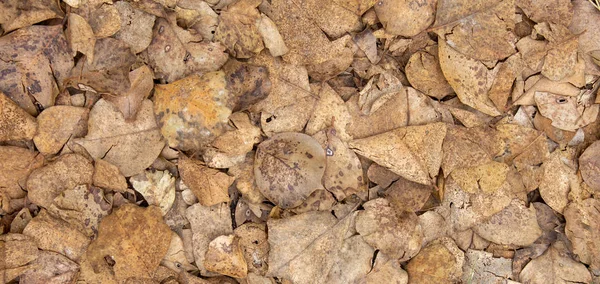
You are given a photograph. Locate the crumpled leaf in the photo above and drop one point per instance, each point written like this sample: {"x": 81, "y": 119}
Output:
{"x": 413, "y": 152}
{"x": 15, "y": 123}
{"x": 560, "y": 12}
{"x": 53, "y": 234}
{"x": 405, "y": 18}
{"x": 224, "y": 256}
{"x": 130, "y": 102}
{"x": 157, "y": 187}
{"x": 439, "y": 262}
{"x": 424, "y": 73}
{"x": 81, "y": 36}
{"x": 174, "y": 53}
{"x": 567, "y": 113}
{"x": 46, "y": 183}
{"x": 583, "y": 230}
{"x": 469, "y": 78}
{"x": 15, "y": 166}
{"x": 209, "y": 185}
{"x": 254, "y": 245}
{"x": 343, "y": 171}
{"x": 555, "y": 266}
{"x": 558, "y": 179}
{"x": 288, "y": 168}
{"x": 589, "y": 165}
{"x": 514, "y": 225}
{"x": 17, "y": 14}
{"x": 131, "y": 242}
{"x": 51, "y": 267}
{"x": 482, "y": 267}
{"x": 193, "y": 111}
{"x": 58, "y": 124}
{"x": 397, "y": 234}
{"x": 238, "y": 29}
{"x": 108, "y": 176}
{"x": 478, "y": 29}
{"x": 306, "y": 245}
{"x": 131, "y": 146}
{"x": 136, "y": 26}
{"x": 27, "y": 51}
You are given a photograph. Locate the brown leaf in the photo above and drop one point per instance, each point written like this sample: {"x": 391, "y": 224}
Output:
{"x": 329, "y": 111}
{"x": 514, "y": 225}
{"x": 175, "y": 53}
{"x": 343, "y": 171}
{"x": 318, "y": 200}
{"x": 41, "y": 51}
{"x": 136, "y": 26}
{"x": 331, "y": 17}
{"x": 46, "y": 183}
{"x": 58, "y": 124}
{"x": 405, "y": 195}
{"x": 238, "y": 29}
{"x": 53, "y": 234}
{"x": 405, "y": 18}
{"x": 17, "y": 14}
{"x": 254, "y": 245}
{"x": 395, "y": 233}
{"x": 233, "y": 145}
{"x": 130, "y": 102}
{"x": 193, "y": 111}
{"x": 244, "y": 179}
{"x": 108, "y": 176}
{"x": 157, "y": 188}
{"x": 566, "y": 113}
{"x": 288, "y": 168}
{"x": 555, "y": 266}
{"x": 250, "y": 84}
{"x": 15, "y": 166}
{"x": 16, "y": 124}
{"x": 209, "y": 185}
{"x": 131, "y": 146}
{"x": 381, "y": 175}
{"x": 439, "y": 262}
{"x": 81, "y": 36}
{"x": 482, "y": 267}
{"x": 583, "y": 230}
{"x": 51, "y": 267}
{"x": 17, "y": 250}
{"x": 359, "y": 7}
{"x": 558, "y": 180}
{"x": 586, "y": 21}
{"x": 384, "y": 271}
{"x": 589, "y": 165}
{"x": 413, "y": 152}
{"x": 224, "y": 256}
{"x": 560, "y": 12}
{"x": 122, "y": 246}
{"x": 424, "y": 73}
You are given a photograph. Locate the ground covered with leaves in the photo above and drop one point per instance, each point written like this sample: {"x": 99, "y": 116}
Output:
{"x": 299, "y": 141}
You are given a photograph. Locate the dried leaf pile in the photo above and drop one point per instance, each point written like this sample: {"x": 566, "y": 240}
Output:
{"x": 299, "y": 141}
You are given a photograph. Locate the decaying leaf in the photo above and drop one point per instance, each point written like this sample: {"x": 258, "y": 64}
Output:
{"x": 51, "y": 267}
{"x": 209, "y": 185}
{"x": 58, "y": 124}
{"x": 20, "y": 14}
{"x": 130, "y": 102}
{"x": 589, "y": 165}
{"x": 108, "y": 176}
{"x": 224, "y": 256}
{"x": 405, "y": 18}
{"x": 583, "y": 230}
{"x": 131, "y": 146}
{"x": 439, "y": 262}
{"x": 193, "y": 111}
{"x": 18, "y": 251}
{"x": 343, "y": 170}
{"x": 136, "y": 26}
{"x": 397, "y": 234}
{"x": 424, "y": 73}
{"x": 238, "y": 29}
{"x": 131, "y": 242}
{"x": 254, "y": 245}
{"x": 482, "y": 267}
{"x": 15, "y": 166}
{"x": 514, "y": 225}
{"x": 157, "y": 187}
{"x": 555, "y": 266}
{"x": 288, "y": 168}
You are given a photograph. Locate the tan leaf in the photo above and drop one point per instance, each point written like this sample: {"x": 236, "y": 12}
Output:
{"x": 19, "y": 14}
{"x": 103, "y": 17}
{"x": 131, "y": 146}
{"x": 193, "y": 111}
{"x": 288, "y": 168}
{"x": 331, "y": 17}
{"x": 238, "y": 29}
{"x": 413, "y": 152}
{"x": 130, "y": 102}
{"x": 405, "y": 195}
{"x": 486, "y": 178}
{"x": 231, "y": 145}
{"x": 224, "y": 256}
{"x": 124, "y": 238}
{"x": 555, "y": 266}
{"x": 439, "y": 262}
{"x": 157, "y": 188}
{"x": 290, "y": 118}
{"x": 424, "y": 73}
{"x": 560, "y": 12}
{"x": 136, "y": 26}
{"x": 16, "y": 123}
{"x": 108, "y": 176}
{"x": 81, "y": 36}
{"x": 514, "y": 225}
{"x": 586, "y": 21}
{"x": 15, "y": 166}
{"x": 46, "y": 183}
{"x": 51, "y": 267}
{"x": 386, "y": 271}
{"x": 367, "y": 43}
{"x": 354, "y": 262}
{"x": 17, "y": 250}
{"x": 589, "y": 165}
{"x": 359, "y": 7}
{"x": 502, "y": 87}
{"x": 254, "y": 245}
{"x": 58, "y": 124}
{"x": 343, "y": 171}
{"x": 244, "y": 179}
{"x": 397, "y": 234}
{"x": 482, "y": 267}
{"x": 566, "y": 113}
{"x": 175, "y": 258}
{"x": 209, "y": 185}
{"x": 318, "y": 200}
{"x": 198, "y": 15}
{"x": 557, "y": 181}
{"x": 329, "y": 111}
{"x": 583, "y": 230}
{"x": 405, "y": 18}
{"x": 381, "y": 175}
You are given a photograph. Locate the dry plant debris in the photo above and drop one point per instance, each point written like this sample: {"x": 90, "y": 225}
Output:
{"x": 299, "y": 141}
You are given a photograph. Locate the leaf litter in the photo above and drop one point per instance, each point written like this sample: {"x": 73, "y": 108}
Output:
{"x": 299, "y": 141}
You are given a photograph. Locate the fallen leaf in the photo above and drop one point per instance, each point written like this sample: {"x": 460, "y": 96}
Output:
{"x": 329, "y": 111}
{"x": 15, "y": 166}
{"x": 482, "y": 267}
{"x": 561, "y": 54}
{"x": 405, "y": 195}
{"x": 81, "y": 37}
{"x": 585, "y": 21}
{"x": 343, "y": 171}
{"x": 557, "y": 181}
{"x": 173, "y": 56}
{"x": 487, "y": 178}
{"x": 356, "y": 258}
{"x": 424, "y": 110}
{"x": 381, "y": 175}
{"x": 405, "y": 18}
{"x": 331, "y": 17}
{"x": 46, "y": 183}
{"x": 103, "y": 17}
{"x": 233, "y": 145}
{"x": 224, "y": 256}
{"x": 53, "y": 234}
{"x": 582, "y": 229}
{"x": 397, "y": 234}
{"x": 16, "y": 124}
{"x": 108, "y": 176}
{"x": 198, "y": 16}
{"x": 508, "y": 72}
{"x": 288, "y": 168}
{"x": 514, "y": 225}
{"x": 555, "y": 266}
{"x": 58, "y": 124}
{"x": 21, "y": 14}
{"x": 424, "y": 73}
{"x": 193, "y": 111}
{"x": 359, "y": 7}
{"x": 21, "y": 220}
{"x": 175, "y": 258}
{"x": 566, "y": 113}
{"x": 249, "y": 83}
{"x": 318, "y": 200}
{"x": 51, "y": 267}
{"x": 19, "y": 252}
{"x": 254, "y": 245}
{"x": 122, "y": 243}
{"x": 561, "y": 12}
{"x": 386, "y": 271}
{"x": 41, "y": 51}
{"x": 589, "y": 165}
{"x": 130, "y": 102}
{"x": 413, "y": 152}
{"x": 157, "y": 188}
{"x": 439, "y": 262}
{"x": 238, "y": 29}
{"x": 245, "y": 181}
{"x": 131, "y": 146}
{"x": 209, "y": 185}
{"x": 367, "y": 43}
{"x": 136, "y": 26}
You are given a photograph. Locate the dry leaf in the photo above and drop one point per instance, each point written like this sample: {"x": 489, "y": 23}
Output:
{"x": 81, "y": 36}
{"x": 343, "y": 170}
{"x": 46, "y": 183}
{"x": 359, "y": 7}
{"x": 51, "y": 267}
{"x": 199, "y": 16}
{"x": 19, "y": 252}
{"x": 175, "y": 258}
{"x": 136, "y": 26}
{"x": 15, "y": 166}
{"x": 384, "y": 271}
{"x": 514, "y": 225}
{"x": 290, "y": 118}
{"x": 131, "y": 146}
{"x": 233, "y": 146}
{"x": 249, "y": 83}
{"x": 405, "y": 195}
{"x": 583, "y": 230}
{"x": 103, "y": 17}
{"x": 482, "y": 267}
{"x": 53, "y": 234}
{"x": 318, "y": 200}
{"x": 589, "y": 165}
{"x": 557, "y": 181}
{"x": 424, "y": 73}
{"x": 405, "y": 18}
{"x": 209, "y": 185}
{"x": 157, "y": 188}
{"x": 288, "y": 168}
{"x": 424, "y": 110}
{"x": 16, "y": 124}
{"x": 26, "y": 51}
{"x": 17, "y": 14}
{"x": 329, "y": 111}
{"x": 193, "y": 111}
{"x": 439, "y": 262}
{"x": 254, "y": 245}
{"x": 224, "y": 256}
{"x": 173, "y": 55}
{"x": 131, "y": 242}
{"x": 58, "y": 124}
{"x": 238, "y": 29}
{"x": 381, "y": 175}
{"x": 567, "y": 113}
{"x": 108, "y": 176}
{"x": 585, "y": 24}
{"x": 397, "y": 234}
{"x": 331, "y": 17}
{"x": 555, "y": 266}
{"x": 130, "y": 102}
{"x": 559, "y": 12}
{"x": 413, "y": 152}
{"x": 244, "y": 179}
